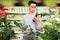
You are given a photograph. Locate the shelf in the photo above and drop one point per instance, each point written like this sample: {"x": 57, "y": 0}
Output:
{"x": 17, "y": 13}
{"x": 19, "y": 32}
{"x": 14, "y": 19}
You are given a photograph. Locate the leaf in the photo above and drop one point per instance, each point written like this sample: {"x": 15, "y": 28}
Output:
{"x": 17, "y": 24}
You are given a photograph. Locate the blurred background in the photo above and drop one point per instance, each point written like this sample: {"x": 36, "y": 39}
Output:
{"x": 10, "y": 28}
{"x": 25, "y": 2}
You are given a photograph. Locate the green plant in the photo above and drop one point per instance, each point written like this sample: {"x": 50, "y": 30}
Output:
{"x": 6, "y": 33}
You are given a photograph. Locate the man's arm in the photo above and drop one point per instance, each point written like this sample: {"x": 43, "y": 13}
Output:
{"x": 39, "y": 25}
{"x": 24, "y": 26}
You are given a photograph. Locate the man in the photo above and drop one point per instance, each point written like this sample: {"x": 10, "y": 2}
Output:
{"x": 28, "y": 18}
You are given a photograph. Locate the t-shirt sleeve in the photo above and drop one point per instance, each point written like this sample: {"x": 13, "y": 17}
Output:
{"x": 23, "y": 21}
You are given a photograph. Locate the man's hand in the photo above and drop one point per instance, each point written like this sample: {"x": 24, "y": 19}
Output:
{"x": 24, "y": 27}
{"x": 37, "y": 20}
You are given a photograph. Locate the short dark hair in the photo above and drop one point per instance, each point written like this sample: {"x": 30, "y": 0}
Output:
{"x": 30, "y": 2}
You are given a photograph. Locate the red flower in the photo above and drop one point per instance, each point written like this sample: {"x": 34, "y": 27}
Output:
{"x": 2, "y": 11}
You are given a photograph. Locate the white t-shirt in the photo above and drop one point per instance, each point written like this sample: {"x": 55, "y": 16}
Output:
{"x": 28, "y": 20}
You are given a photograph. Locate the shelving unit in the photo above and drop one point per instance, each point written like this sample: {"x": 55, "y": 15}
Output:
{"x": 15, "y": 16}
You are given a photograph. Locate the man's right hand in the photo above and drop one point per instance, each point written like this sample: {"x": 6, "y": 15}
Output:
{"x": 24, "y": 27}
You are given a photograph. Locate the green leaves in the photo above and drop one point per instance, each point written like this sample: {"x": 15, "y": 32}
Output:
{"x": 6, "y": 33}
{"x": 17, "y": 24}
{"x": 44, "y": 37}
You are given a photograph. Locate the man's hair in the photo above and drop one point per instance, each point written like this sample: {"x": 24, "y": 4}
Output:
{"x": 30, "y": 2}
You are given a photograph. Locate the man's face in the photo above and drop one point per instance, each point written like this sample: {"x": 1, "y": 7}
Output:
{"x": 32, "y": 7}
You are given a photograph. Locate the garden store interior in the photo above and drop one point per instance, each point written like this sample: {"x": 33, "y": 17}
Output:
{"x": 11, "y": 24}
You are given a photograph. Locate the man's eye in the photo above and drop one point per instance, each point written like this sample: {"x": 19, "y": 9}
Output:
{"x": 32, "y": 7}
